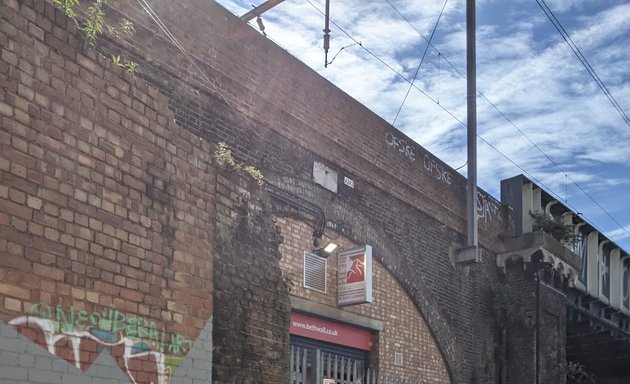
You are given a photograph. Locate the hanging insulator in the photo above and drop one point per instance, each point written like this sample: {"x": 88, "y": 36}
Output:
{"x": 261, "y": 26}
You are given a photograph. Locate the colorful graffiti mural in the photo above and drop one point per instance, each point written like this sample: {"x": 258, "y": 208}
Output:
{"x": 146, "y": 354}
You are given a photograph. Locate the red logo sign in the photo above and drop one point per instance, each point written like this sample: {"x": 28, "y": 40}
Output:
{"x": 356, "y": 270}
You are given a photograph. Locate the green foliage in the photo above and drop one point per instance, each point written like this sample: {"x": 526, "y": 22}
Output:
{"x": 131, "y": 66}
{"x": 127, "y": 27}
{"x": 577, "y": 374}
{"x": 223, "y": 155}
{"x": 94, "y": 21}
{"x": 255, "y": 173}
{"x": 67, "y": 6}
{"x": 556, "y": 227}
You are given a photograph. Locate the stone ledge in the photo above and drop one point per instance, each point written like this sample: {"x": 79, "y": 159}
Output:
{"x": 525, "y": 246}
{"x": 303, "y": 305}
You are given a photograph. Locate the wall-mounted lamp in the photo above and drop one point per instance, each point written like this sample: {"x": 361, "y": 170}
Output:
{"x": 324, "y": 251}
{"x": 330, "y": 248}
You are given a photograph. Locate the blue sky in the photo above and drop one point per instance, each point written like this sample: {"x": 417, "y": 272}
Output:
{"x": 525, "y": 69}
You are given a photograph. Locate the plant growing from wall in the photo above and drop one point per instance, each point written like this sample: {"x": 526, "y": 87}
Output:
{"x": 255, "y": 173}
{"x": 223, "y": 155}
{"x": 94, "y": 23}
{"x": 554, "y": 226}
{"x": 224, "y": 158}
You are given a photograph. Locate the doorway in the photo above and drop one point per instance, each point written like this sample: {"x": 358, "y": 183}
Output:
{"x": 314, "y": 361}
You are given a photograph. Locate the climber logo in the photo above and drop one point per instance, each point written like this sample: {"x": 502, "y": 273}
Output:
{"x": 354, "y": 276}
{"x": 355, "y": 267}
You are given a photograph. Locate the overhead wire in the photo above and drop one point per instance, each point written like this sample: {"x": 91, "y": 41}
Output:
{"x": 386, "y": 64}
{"x": 425, "y": 38}
{"x": 154, "y": 16}
{"x": 494, "y": 106}
{"x": 415, "y": 75}
{"x": 578, "y": 53}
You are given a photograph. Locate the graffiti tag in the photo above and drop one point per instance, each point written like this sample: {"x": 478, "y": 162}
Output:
{"x": 401, "y": 145}
{"x": 437, "y": 170}
{"x": 487, "y": 207}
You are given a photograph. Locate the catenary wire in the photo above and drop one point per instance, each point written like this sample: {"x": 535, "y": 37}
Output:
{"x": 171, "y": 37}
{"x": 480, "y": 137}
{"x": 386, "y": 64}
{"x": 578, "y": 53}
{"x": 413, "y": 80}
{"x": 496, "y": 108}
{"x": 154, "y": 16}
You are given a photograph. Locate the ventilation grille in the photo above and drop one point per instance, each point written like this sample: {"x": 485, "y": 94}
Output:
{"x": 398, "y": 358}
{"x": 315, "y": 272}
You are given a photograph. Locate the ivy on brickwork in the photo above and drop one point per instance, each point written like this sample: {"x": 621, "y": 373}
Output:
{"x": 94, "y": 24}
{"x": 223, "y": 155}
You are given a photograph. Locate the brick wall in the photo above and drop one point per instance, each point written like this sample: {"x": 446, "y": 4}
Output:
{"x": 106, "y": 216}
{"x": 404, "y": 329}
{"x": 274, "y": 112}
{"x": 251, "y": 316}
{"x": 281, "y": 116}
{"x": 520, "y": 349}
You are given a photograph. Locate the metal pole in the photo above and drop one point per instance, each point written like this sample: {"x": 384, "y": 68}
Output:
{"x": 539, "y": 270}
{"x": 326, "y": 33}
{"x": 471, "y": 90}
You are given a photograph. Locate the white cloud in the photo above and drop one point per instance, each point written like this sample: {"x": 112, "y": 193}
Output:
{"x": 524, "y": 67}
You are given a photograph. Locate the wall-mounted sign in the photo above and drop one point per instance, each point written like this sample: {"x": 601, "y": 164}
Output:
{"x": 330, "y": 331}
{"x": 354, "y": 276}
{"x": 329, "y": 381}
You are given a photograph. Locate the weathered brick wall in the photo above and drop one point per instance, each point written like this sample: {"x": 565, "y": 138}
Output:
{"x": 106, "y": 217}
{"x": 281, "y": 116}
{"x": 277, "y": 115}
{"x": 520, "y": 348}
{"x": 251, "y": 317}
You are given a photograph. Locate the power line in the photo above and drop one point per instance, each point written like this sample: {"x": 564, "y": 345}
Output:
{"x": 421, "y": 61}
{"x": 578, "y": 53}
{"x": 145, "y": 5}
{"x": 430, "y": 44}
{"x": 154, "y": 16}
{"x": 386, "y": 64}
{"x": 464, "y": 125}
{"x": 494, "y": 106}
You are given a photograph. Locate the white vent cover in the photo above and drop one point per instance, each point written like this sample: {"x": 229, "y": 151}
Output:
{"x": 315, "y": 272}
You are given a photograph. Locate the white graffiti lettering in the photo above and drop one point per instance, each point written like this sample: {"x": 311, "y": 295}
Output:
{"x": 436, "y": 169}
{"x": 401, "y": 145}
{"x": 487, "y": 207}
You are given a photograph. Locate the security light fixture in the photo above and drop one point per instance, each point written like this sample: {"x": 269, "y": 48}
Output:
{"x": 324, "y": 251}
{"x": 330, "y": 247}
